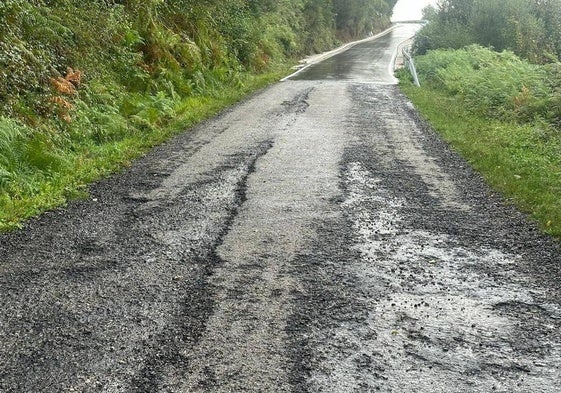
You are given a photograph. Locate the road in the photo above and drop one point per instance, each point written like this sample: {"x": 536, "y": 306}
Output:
{"x": 368, "y": 61}
{"x": 317, "y": 237}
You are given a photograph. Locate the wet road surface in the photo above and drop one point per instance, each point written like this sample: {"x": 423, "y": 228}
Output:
{"x": 369, "y": 61}
{"x": 318, "y": 237}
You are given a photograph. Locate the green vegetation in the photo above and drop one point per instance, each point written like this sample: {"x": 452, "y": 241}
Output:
{"x": 503, "y": 114}
{"x": 529, "y": 28}
{"x": 494, "y": 66}
{"x": 87, "y": 86}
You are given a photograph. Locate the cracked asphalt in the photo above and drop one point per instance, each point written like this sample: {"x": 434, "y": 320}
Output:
{"x": 317, "y": 237}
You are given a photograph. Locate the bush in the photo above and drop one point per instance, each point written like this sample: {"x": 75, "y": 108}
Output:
{"x": 497, "y": 85}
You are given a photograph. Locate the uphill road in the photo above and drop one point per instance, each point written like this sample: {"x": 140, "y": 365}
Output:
{"x": 316, "y": 237}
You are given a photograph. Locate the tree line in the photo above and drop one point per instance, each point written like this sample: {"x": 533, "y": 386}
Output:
{"x": 529, "y": 28}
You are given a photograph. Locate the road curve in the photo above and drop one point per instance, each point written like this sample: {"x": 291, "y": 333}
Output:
{"x": 367, "y": 61}
{"x": 317, "y": 237}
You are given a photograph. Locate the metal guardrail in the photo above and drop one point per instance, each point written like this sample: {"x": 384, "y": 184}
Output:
{"x": 411, "y": 65}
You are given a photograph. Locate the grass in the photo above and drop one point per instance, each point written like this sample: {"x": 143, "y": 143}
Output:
{"x": 522, "y": 161}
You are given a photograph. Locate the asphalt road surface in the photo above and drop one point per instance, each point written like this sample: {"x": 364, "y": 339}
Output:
{"x": 317, "y": 237}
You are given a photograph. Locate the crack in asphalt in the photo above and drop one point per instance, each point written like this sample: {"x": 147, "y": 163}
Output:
{"x": 244, "y": 347}
{"x": 125, "y": 270}
{"x": 200, "y": 302}
{"x": 299, "y": 103}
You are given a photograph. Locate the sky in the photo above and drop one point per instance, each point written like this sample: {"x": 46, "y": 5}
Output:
{"x": 410, "y": 9}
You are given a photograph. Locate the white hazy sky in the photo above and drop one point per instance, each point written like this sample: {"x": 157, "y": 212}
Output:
{"x": 410, "y": 9}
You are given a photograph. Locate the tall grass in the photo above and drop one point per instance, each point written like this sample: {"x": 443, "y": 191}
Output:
{"x": 496, "y": 85}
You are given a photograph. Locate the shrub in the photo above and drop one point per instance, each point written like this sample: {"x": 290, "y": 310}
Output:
{"x": 498, "y": 85}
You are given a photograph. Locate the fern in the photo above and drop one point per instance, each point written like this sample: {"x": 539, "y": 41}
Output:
{"x": 13, "y": 137}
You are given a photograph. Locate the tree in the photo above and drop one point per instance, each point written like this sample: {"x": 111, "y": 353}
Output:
{"x": 530, "y": 28}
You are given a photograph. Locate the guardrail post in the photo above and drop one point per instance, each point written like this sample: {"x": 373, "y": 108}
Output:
{"x": 411, "y": 65}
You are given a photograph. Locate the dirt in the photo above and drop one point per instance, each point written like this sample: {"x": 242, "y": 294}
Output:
{"x": 318, "y": 237}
